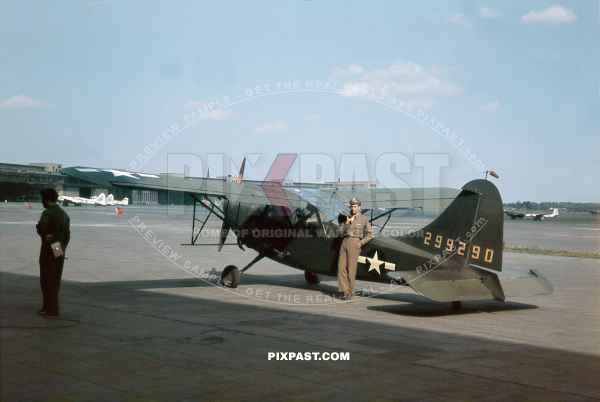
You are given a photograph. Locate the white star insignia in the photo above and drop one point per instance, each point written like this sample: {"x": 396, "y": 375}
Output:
{"x": 117, "y": 173}
{"x": 374, "y": 263}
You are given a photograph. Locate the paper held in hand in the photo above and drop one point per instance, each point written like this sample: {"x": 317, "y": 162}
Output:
{"x": 57, "y": 249}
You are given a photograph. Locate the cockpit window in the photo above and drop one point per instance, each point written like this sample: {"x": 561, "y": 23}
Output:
{"x": 323, "y": 199}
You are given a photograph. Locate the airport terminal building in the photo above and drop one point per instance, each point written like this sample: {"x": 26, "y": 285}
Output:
{"x": 23, "y": 182}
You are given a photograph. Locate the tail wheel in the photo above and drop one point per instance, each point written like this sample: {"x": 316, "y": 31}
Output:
{"x": 230, "y": 277}
{"x": 311, "y": 278}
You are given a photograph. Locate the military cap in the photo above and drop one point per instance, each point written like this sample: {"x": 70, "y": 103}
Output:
{"x": 355, "y": 201}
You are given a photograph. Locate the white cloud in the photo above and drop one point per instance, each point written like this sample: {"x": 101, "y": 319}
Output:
{"x": 458, "y": 19}
{"x": 216, "y": 114}
{"x": 270, "y": 126}
{"x": 490, "y": 13}
{"x": 491, "y": 106}
{"x": 21, "y": 102}
{"x": 556, "y": 14}
{"x": 413, "y": 84}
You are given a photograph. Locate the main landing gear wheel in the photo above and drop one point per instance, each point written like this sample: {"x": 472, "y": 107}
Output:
{"x": 230, "y": 277}
{"x": 311, "y": 278}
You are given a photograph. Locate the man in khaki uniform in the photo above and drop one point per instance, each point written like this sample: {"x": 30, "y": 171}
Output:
{"x": 356, "y": 231}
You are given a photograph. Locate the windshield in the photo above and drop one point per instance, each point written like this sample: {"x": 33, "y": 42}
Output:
{"x": 324, "y": 199}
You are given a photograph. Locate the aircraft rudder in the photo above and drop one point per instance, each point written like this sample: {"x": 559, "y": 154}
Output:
{"x": 487, "y": 238}
{"x": 470, "y": 229}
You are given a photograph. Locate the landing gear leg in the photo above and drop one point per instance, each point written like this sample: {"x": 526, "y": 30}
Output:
{"x": 254, "y": 261}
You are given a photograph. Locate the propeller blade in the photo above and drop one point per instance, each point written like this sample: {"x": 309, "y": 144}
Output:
{"x": 243, "y": 168}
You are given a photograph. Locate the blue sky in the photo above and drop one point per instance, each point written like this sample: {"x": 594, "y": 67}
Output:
{"x": 93, "y": 83}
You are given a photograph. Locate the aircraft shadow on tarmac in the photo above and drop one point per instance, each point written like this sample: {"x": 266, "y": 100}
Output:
{"x": 410, "y": 304}
{"x": 419, "y": 306}
{"x": 424, "y": 308}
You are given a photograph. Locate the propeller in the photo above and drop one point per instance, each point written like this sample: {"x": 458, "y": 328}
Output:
{"x": 240, "y": 177}
{"x": 243, "y": 168}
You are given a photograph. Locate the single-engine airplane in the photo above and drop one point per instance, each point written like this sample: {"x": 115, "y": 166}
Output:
{"x": 457, "y": 257}
{"x": 102, "y": 200}
{"x": 536, "y": 216}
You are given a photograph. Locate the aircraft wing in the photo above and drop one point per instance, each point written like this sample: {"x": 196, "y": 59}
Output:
{"x": 261, "y": 193}
{"x": 332, "y": 201}
{"x": 329, "y": 199}
{"x": 385, "y": 198}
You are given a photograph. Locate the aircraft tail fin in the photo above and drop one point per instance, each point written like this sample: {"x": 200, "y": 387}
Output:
{"x": 470, "y": 229}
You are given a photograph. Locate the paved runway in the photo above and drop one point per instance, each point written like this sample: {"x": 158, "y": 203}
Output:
{"x": 137, "y": 327}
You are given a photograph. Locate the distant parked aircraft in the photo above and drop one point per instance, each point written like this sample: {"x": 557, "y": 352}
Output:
{"x": 99, "y": 200}
{"x": 536, "y": 216}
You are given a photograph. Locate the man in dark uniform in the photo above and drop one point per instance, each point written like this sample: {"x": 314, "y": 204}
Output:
{"x": 55, "y": 234}
{"x": 356, "y": 231}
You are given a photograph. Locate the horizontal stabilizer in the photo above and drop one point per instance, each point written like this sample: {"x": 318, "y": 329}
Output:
{"x": 481, "y": 284}
{"x": 456, "y": 290}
